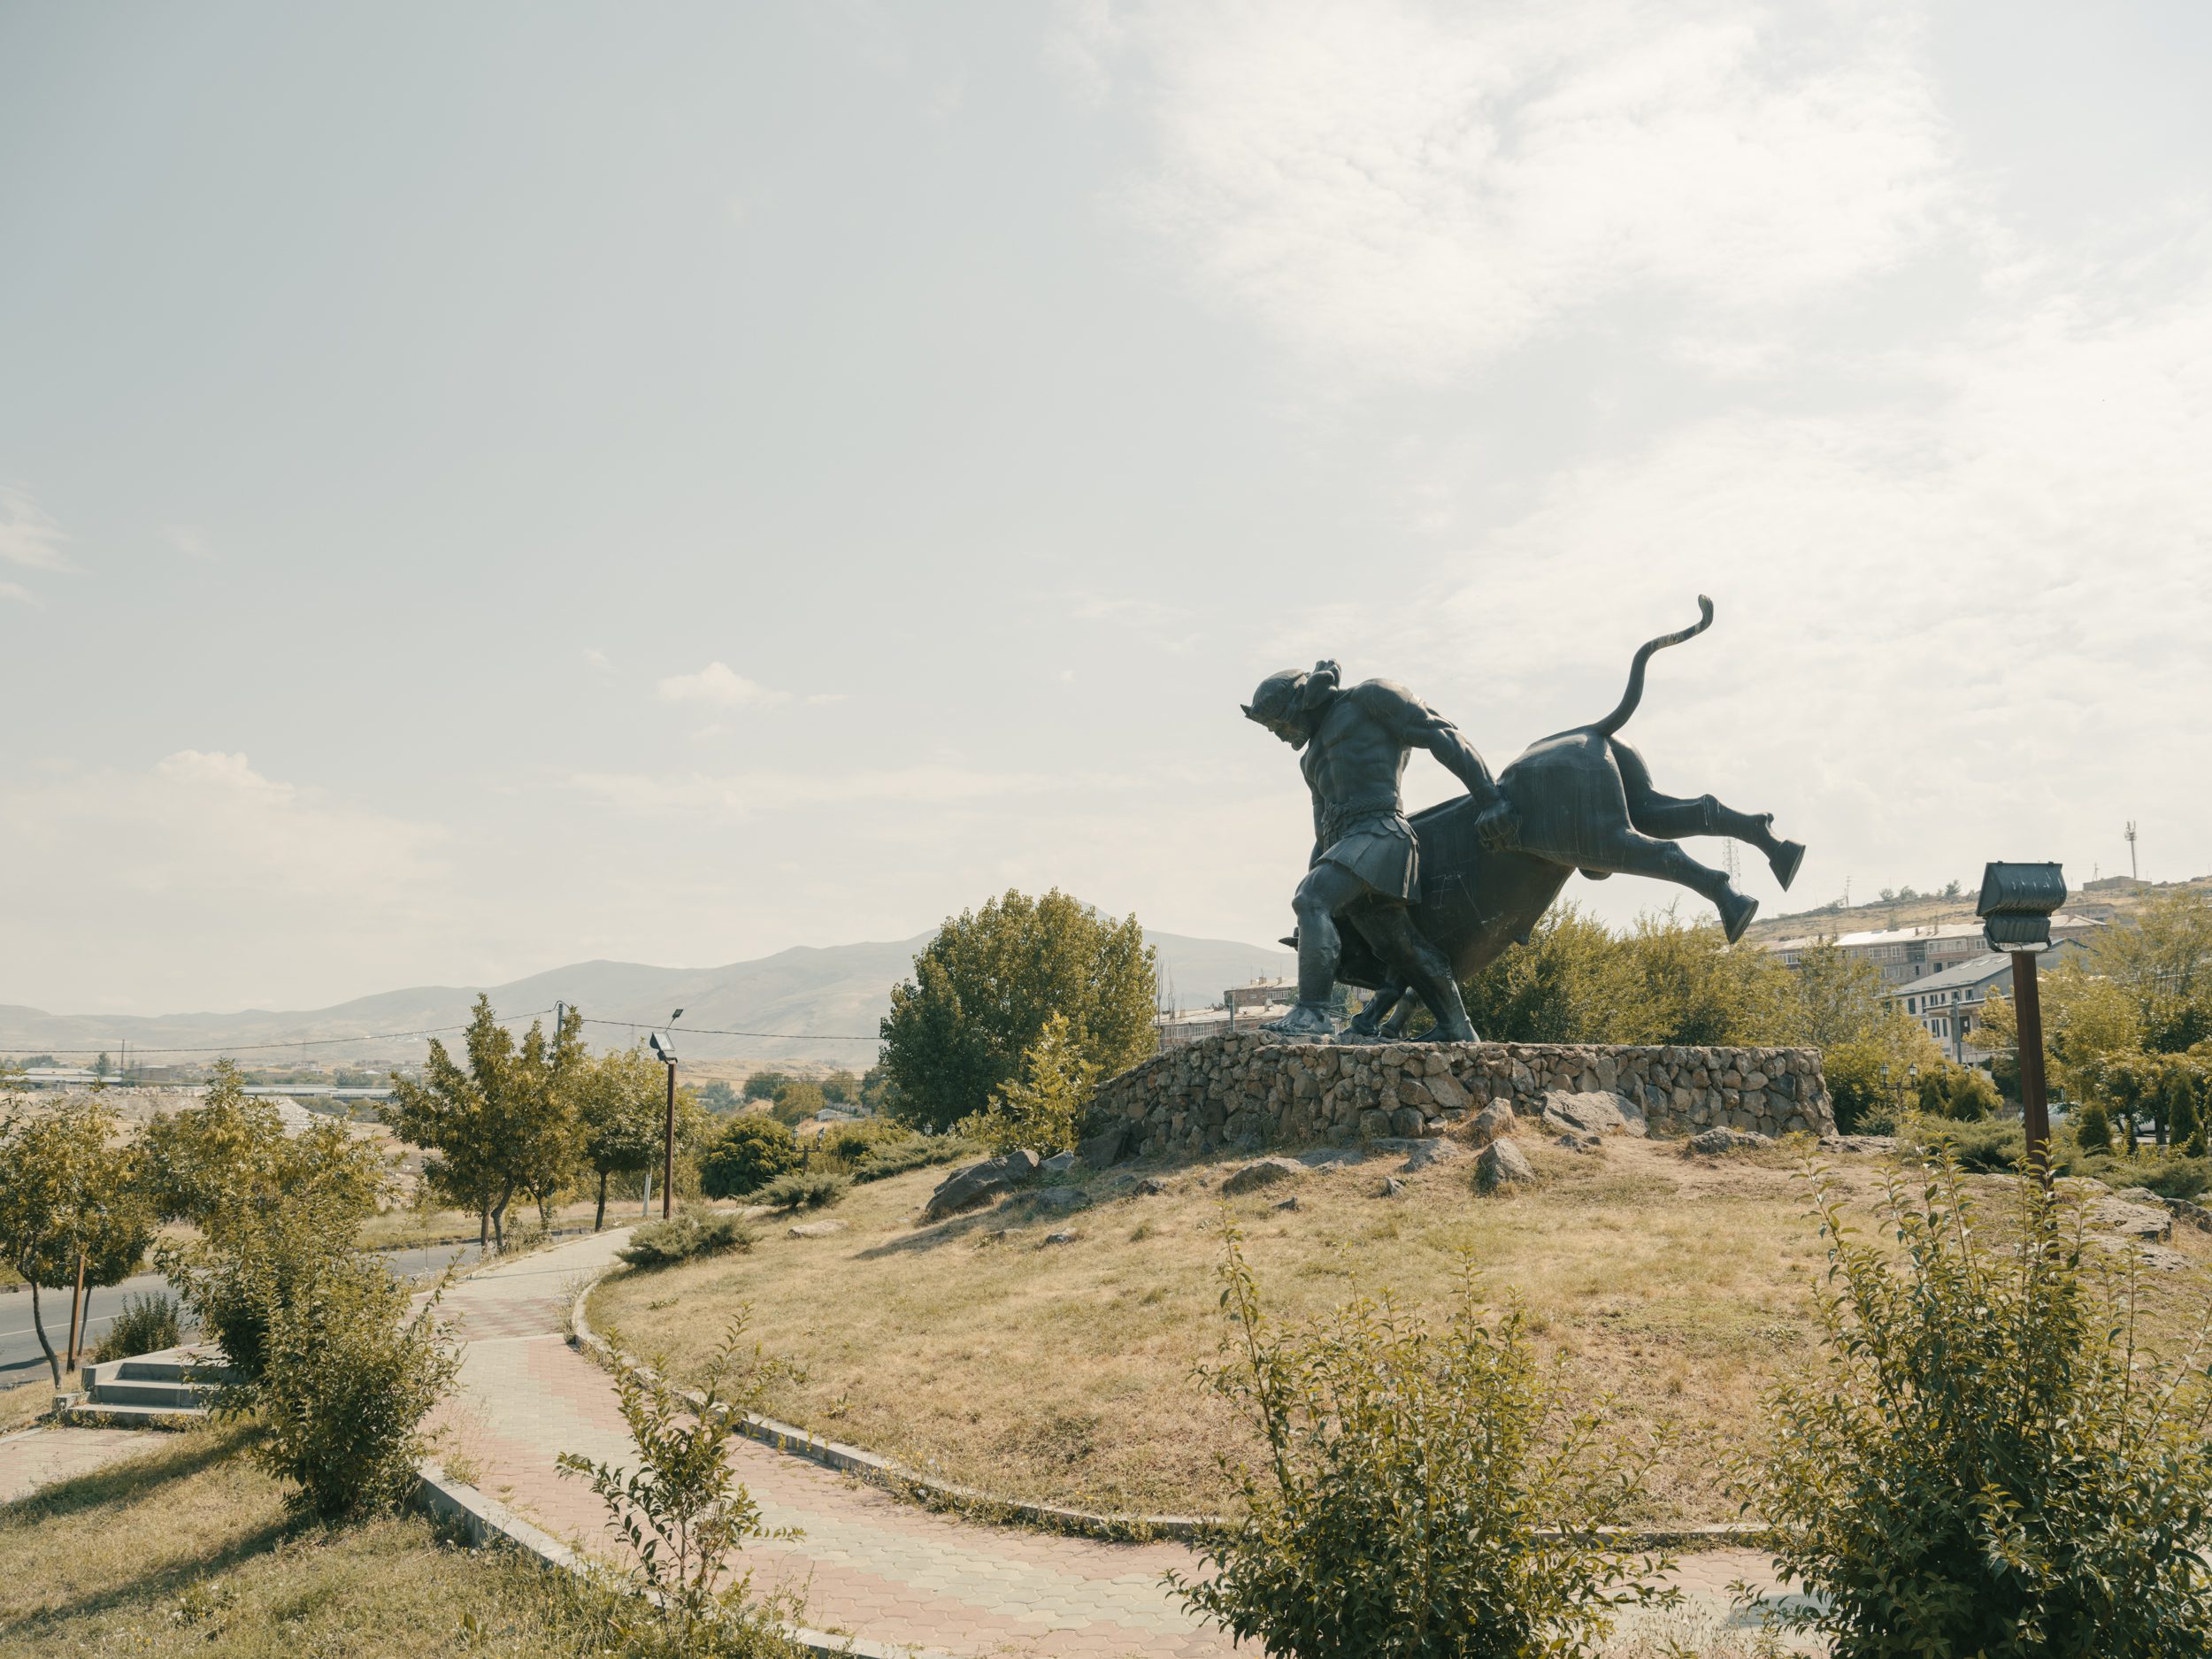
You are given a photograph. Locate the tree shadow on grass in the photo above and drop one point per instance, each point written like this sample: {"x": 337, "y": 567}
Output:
{"x": 125, "y": 1482}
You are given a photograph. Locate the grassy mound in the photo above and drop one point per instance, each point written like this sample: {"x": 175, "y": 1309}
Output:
{"x": 978, "y": 1349}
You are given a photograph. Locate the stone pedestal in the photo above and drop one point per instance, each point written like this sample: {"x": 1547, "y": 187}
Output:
{"x": 1250, "y": 1090}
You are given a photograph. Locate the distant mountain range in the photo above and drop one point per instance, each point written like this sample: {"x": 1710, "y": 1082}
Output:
{"x": 804, "y": 996}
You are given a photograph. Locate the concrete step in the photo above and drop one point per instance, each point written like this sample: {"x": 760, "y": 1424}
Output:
{"x": 172, "y": 1365}
{"x": 110, "y": 1391}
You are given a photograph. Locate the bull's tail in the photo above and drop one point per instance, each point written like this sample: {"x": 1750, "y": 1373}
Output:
{"x": 1635, "y": 694}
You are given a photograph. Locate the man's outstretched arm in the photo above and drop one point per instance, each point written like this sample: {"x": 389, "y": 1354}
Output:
{"x": 1420, "y": 727}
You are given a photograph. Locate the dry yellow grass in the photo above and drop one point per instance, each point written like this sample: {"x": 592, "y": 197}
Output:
{"x": 976, "y": 1350}
{"x": 187, "y": 1551}
{"x": 1064, "y": 1372}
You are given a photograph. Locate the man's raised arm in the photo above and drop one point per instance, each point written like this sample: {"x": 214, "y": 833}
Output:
{"x": 1420, "y": 727}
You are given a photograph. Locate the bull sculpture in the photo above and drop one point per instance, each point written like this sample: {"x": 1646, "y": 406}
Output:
{"x": 1429, "y": 900}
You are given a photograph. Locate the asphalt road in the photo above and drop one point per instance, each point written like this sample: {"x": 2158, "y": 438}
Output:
{"x": 21, "y": 1358}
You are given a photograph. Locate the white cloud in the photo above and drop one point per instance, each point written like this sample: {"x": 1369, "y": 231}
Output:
{"x": 597, "y": 660}
{"x": 29, "y": 536}
{"x": 746, "y": 794}
{"x": 17, "y": 592}
{"x": 1410, "y": 187}
{"x": 719, "y": 686}
{"x": 190, "y": 542}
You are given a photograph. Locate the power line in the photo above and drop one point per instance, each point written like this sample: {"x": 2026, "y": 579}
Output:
{"x": 291, "y": 1042}
{"x": 703, "y": 1031}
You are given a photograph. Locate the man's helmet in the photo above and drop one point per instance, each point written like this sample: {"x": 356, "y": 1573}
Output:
{"x": 1277, "y": 699}
{"x": 1289, "y": 696}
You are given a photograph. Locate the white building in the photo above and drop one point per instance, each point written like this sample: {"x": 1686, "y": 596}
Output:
{"x": 1243, "y": 1007}
{"x": 1949, "y": 1005}
{"x": 1906, "y": 956}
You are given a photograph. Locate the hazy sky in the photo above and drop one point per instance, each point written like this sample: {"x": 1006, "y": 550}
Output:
{"x": 486, "y": 485}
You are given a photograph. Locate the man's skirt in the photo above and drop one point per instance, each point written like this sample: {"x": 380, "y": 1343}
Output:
{"x": 1378, "y": 847}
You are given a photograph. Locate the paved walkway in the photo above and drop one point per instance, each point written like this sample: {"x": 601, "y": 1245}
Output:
{"x": 869, "y": 1564}
{"x": 33, "y": 1458}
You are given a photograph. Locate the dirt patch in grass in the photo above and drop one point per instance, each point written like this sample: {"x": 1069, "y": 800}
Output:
{"x": 188, "y": 1550}
{"x": 977, "y": 1350}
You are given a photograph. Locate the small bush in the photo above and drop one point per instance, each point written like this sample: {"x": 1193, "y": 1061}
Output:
{"x": 2092, "y": 1128}
{"x": 896, "y": 1157}
{"x": 1984, "y": 1149}
{"x": 804, "y": 1189}
{"x": 687, "y": 1234}
{"x": 849, "y": 1144}
{"x": 749, "y": 1152}
{"x": 1044, "y": 1107}
{"x": 347, "y": 1380}
{"x": 682, "y": 1515}
{"x": 1987, "y": 1458}
{"x": 147, "y": 1325}
{"x": 1428, "y": 1493}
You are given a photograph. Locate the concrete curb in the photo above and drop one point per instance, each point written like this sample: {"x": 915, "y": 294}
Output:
{"x": 904, "y": 1482}
{"x": 484, "y": 1520}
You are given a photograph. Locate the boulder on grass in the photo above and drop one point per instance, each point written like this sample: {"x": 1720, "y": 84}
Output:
{"x": 1265, "y": 1172}
{"x": 1720, "y": 1140}
{"x": 1493, "y": 1122}
{"x": 1503, "y": 1163}
{"x": 980, "y": 1183}
{"x": 2151, "y": 1222}
{"x": 1597, "y": 1112}
{"x": 1103, "y": 1150}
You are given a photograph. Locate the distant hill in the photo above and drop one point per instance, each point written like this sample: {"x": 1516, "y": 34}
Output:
{"x": 807, "y": 994}
{"x": 2112, "y": 899}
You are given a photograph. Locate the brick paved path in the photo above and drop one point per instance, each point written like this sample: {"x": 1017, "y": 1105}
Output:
{"x": 869, "y": 1564}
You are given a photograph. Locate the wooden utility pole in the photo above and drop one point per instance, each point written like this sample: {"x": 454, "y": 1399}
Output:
{"x": 668, "y": 1148}
{"x": 76, "y": 1309}
{"x": 2035, "y": 1115}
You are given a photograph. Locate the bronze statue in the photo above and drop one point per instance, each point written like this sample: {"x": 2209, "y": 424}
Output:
{"x": 1432, "y": 899}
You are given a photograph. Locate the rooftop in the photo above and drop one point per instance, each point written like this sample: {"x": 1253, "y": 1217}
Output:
{"x": 1905, "y": 935}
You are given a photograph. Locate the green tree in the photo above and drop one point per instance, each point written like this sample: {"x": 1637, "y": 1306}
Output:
{"x": 765, "y": 1085}
{"x": 797, "y": 1101}
{"x": 69, "y": 1200}
{"x": 2092, "y": 1128}
{"x": 2087, "y": 1018}
{"x": 750, "y": 1151}
{"x": 620, "y": 1102}
{"x": 718, "y": 1097}
{"x": 1561, "y": 987}
{"x": 1687, "y": 985}
{"x": 501, "y": 1127}
{"x": 1042, "y": 1109}
{"x": 2161, "y": 959}
{"x": 103, "y": 1065}
{"x": 842, "y": 1088}
{"x": 984, "y": 987}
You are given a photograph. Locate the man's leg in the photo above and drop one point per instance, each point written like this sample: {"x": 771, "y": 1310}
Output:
{"x": 1326, "y": 889}
{"x": 1404, "y": 946}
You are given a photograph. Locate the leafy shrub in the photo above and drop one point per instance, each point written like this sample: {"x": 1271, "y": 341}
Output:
{"x": 1986, "y": 1460}
{"x": 2171, "y": 1174}
{"x": 765, "y": 1085}
{"x": 238, "y": 1279}
{"x": 147, "y": 1325}
{"x": 796, "y": 1101}
{"x": 848, "y": 1144}
{"x": 1428, "y": 1493}
{"x": 749, "y": 1152}
{"x": 346, "y": 1382}
{"x": 687, "y": 1234}
{"x": 2092, "y": 1128}
{"x": 805, "y": 1189}
{"x": 1958, "y": 1092}
{"x": 680, "y": 1513}
{"x": 896, "y": 1157}
{"x": 1981, "y": 1147}
{"x": 1045, "y": 1106}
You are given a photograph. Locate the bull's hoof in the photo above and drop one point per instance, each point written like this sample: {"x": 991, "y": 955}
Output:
{"x": 1784, "y": 861}
{"x": 1736, "y": 912}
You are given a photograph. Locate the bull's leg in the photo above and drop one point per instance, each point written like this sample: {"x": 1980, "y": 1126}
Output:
{"x": 1425, "y": 969}
{"x": 1630, "y": 853}
{"x": 1368, "y": 1022}
{"x": 1672, "y": 818}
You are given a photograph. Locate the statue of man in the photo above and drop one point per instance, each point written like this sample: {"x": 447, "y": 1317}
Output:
{"x": 1366, "y": 865}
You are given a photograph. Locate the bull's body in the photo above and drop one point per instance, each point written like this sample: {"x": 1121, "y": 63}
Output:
{"x": 1585, "y": 801}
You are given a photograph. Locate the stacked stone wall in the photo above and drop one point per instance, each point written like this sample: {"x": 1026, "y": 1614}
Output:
{"x": 1250, "y": 1090}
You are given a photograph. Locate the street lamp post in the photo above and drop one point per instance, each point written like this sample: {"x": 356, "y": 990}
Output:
{"x": 2016, "y": 907}
{"x": 664, "y": 1044}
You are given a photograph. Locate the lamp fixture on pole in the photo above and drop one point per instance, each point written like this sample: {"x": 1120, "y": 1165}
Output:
{"x": 663, "y": 1047}
{"x": 2016, "y": 907}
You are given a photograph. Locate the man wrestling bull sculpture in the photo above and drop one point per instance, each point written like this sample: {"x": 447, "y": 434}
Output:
{"x": 1431, "y": 899}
